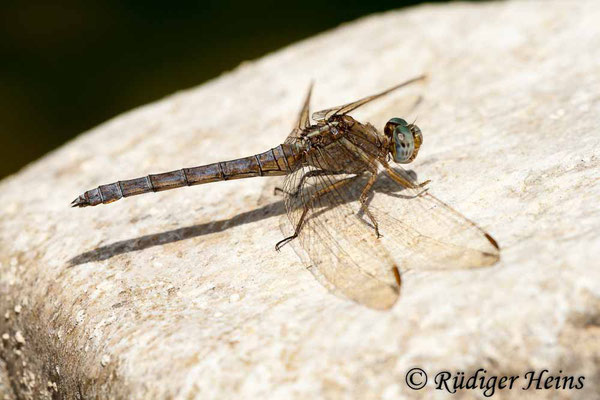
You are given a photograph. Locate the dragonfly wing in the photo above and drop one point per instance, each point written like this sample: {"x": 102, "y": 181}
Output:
{"x": 346, "y": 108}
{"x": 303, "y": 118}
{"x": 341, "y": 247}
{"x": 420, "y": 230}
{"x": 424, "y": 233}
{"x": 337, "y": 236}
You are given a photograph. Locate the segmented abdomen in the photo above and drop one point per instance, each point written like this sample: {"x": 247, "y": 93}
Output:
{"x": 277, "y": 161}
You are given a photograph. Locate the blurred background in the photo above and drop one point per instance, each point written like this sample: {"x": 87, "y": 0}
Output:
{"x": 65, "y": 68}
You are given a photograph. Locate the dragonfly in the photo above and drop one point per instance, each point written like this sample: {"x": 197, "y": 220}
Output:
{"x": 356, "y": 218}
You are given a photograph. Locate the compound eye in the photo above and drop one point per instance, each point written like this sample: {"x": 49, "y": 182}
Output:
{"x": 392, "y": 124}
{"x": 417, "y": 135}
{"x": 403, "y": 134}
{"x": 403, "y": 144}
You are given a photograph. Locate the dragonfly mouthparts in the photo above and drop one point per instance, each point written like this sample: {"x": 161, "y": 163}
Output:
{"x": 80, "y": 202}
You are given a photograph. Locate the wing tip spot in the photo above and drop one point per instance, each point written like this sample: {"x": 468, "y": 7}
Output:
{"x": 397, "y": 276}
{"x": 492, "y": 241}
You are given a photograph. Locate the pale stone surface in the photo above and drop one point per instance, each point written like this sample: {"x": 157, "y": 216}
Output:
{"x": 6, "y": 392}
{"x": 180, "y": 294}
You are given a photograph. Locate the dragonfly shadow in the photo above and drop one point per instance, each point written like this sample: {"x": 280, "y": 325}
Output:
{"x": 383, "y": 185}
{"x": 175, "y": 235}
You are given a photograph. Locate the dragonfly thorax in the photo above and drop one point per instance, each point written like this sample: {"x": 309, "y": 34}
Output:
{"x": 405, "y": 140}
{"x": 324, "y": 132}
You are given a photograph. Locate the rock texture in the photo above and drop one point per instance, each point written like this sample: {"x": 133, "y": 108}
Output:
{"x": 181, "y": 295}
{"x": 6, "y": 392}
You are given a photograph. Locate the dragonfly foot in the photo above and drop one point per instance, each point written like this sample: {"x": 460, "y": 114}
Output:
{"x": 285, "y": 241}
{"x": 279, "y": 190}
{"x": 423, "y": 184}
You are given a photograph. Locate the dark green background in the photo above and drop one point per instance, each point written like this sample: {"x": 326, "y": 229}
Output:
{"x": 67, "y": 67}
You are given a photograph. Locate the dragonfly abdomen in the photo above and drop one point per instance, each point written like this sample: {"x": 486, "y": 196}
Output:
{"x": 277, "y": 161}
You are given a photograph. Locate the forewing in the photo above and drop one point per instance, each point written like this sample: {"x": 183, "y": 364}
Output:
{"x": 346, "y": 108}
{"x": 339, "y": 245}
{"x": 303, "y": 118}
{"x": 424, "y": 233}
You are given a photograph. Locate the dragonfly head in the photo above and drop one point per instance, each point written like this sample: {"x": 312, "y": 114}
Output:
{"x": 405, "y": 140}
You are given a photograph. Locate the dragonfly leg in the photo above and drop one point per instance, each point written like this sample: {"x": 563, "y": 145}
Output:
{"x": 309, "y": 174}
{"x": 403, "y": 181}
{"x": 308, "y": 205}
{"x": 423, "y": 184}
{"x": 365, "y": 207}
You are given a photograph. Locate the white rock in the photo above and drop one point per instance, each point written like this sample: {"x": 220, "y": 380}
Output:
{"x": 510, "y": 118}
{"x": 105, "y": 360}
{"x": 19, "y": 337}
